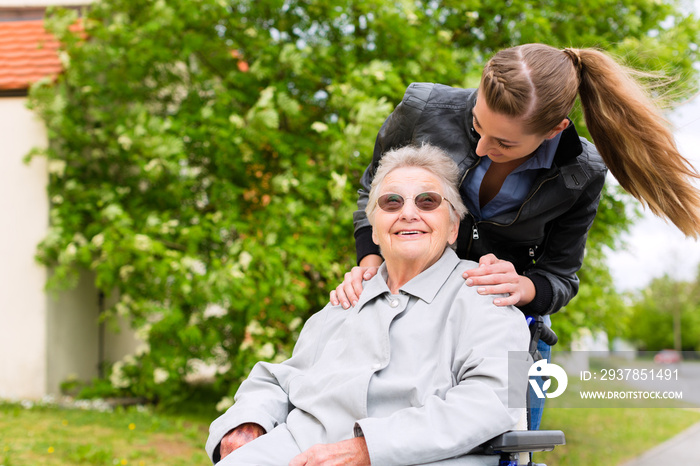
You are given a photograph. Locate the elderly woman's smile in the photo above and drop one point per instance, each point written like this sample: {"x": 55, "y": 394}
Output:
{"x": 410, "y": 232}
{"x": 412, "y": 224}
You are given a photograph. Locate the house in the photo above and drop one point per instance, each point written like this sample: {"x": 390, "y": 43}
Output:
{"x": 45, "y": 338}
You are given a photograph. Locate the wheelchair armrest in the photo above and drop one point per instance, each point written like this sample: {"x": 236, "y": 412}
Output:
{"x": 515, "y": 441}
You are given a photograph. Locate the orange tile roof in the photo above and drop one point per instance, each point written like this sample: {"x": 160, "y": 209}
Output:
{"x": 27, "y": 53}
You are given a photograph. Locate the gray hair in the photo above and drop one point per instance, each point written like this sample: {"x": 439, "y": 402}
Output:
{"x": 427, "y": 157}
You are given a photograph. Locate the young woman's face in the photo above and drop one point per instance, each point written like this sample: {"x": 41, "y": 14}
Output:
{"x": 503, "y": 138}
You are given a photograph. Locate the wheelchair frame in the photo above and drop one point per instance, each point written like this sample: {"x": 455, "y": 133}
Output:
{"x": 510, "y": 444}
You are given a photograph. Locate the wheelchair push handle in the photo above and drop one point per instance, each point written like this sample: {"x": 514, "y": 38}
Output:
{"x": 548, "y": 336}
{"x": 540, "y": 331}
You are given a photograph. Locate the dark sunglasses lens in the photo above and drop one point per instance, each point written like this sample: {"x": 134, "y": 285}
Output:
{"x": 428, "y": 201}
{"x": 390, "y": 202}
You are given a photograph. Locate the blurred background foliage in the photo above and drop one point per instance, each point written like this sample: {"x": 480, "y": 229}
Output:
{"x": 205, "y": 155}
{"x": 666, "y": 315}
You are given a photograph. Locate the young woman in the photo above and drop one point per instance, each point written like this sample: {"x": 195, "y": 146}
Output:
{"x": 531, "y": 184}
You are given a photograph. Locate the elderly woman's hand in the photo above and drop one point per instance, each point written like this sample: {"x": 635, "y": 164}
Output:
{"x": 347, "y": 452}
{"x": 496, "y": 276}
{"x": 348, "y": 292}
{"x": 238, "y": 437}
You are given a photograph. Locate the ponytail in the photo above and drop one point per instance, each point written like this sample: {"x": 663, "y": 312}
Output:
{"x": 538, "y": 84}
{"x": 635, "y": 141}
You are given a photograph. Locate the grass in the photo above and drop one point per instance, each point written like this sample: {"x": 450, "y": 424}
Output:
{"x": 609, "y": 436}
{"x": 54, "y": 436}
{"x": 607, "y": 432}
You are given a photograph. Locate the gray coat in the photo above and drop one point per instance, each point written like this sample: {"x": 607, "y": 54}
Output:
{"x": 423, "y": 375}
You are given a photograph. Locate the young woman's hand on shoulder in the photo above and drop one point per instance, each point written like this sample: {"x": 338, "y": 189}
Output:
{"x": 348, "y": 293}
{"x": 496, "y": 276}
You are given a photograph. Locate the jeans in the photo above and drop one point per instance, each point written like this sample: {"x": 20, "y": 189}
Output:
{"x": 535, "y": 404}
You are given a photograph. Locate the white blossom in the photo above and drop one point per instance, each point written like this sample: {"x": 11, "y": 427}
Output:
{"x": 254, "y": 328}
{"x": 200, "y": 372}
{"x": 117, "y": 377}
{"x": 98, "y": 240}
{"x": 112, "y": 211}
{"x": 195, "y": 266}
{"x": 125, "y": 141}
{"x": 143, "y": 332}
{"x": 245, "y": 259}
{"x": 319, "y": 127}
{"x": 267, "y": 351}
{"x": 295, "y": 323}
{"x": 160, "y": 375}
{"x": 214, "y": 310}
{"x": 143, "y": 348}
{"x": 225, "y": 403}
{"x": 237, "y": 121}
{"x": 57, "y": 167}
{"x": 142, "y": 242}
{"x": 125, "y": 271}
{"x": 70, "y": 252}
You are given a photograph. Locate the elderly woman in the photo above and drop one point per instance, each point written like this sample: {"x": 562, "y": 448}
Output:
{"x": 416, "y": 373}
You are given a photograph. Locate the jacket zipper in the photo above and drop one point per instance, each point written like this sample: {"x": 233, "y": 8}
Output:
{"x": 475, "y": 228}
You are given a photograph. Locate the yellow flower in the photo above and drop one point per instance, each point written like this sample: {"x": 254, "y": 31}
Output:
{"x": 123, "y": 461}
{"x": 64, "y": 422}
{"x": 51, "y": 450}
{"x": 132, "y": 426}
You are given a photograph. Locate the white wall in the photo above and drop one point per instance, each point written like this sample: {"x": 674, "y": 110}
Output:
{"x": 44, "y": 337}
{"x": 72, "y": 334}
{"x": 121, "y": 341}
{"x": 23, "y": 222}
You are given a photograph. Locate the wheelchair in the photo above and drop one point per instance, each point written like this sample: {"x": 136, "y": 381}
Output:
{"x": 512, "y": 445}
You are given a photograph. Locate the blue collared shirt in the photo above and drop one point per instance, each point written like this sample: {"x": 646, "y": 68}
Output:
{"x": 516, "y": 185}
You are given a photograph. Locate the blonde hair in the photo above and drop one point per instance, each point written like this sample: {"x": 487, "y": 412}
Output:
{"x": 427, "y": 157}
{"x": 538, "y": 84}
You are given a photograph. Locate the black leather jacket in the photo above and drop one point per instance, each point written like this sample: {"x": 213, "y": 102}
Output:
{"x": 545, "y": 238}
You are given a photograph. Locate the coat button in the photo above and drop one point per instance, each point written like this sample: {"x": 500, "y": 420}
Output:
{"x": 394, "y": 303}
{"x": 376, "y": 367}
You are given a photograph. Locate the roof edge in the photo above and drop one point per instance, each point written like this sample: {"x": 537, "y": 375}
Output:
{"x": 14, "y": 93}
{"x": 28, "y": 13}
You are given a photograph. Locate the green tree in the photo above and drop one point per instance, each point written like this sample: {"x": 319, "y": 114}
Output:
{"x": 205, "y": 154}
{"x": 666, "y": 315}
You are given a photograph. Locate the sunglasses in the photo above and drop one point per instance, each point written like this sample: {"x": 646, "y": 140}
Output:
{"x": 425, "y": 202}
